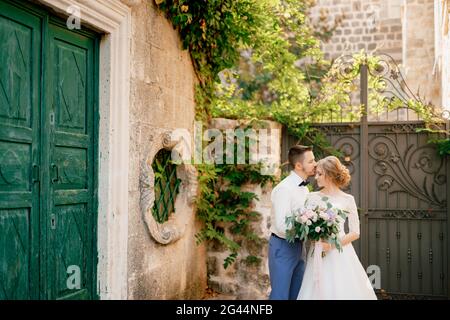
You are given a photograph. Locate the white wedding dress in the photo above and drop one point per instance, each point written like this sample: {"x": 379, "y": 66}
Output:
{"x": 339, "y": 275}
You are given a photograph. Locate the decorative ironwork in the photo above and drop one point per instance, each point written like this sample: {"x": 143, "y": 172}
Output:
{"x": 404, "y": 128}
{"x": 392, "y": 88}
{"x": 395, "y": 85}
{"x": 336, "y": 129}
{"x": 166, "y": 186}
{"x": 409, "y": 214}
{"x": 349, "y": 147}
{"x": 391, "y": 167}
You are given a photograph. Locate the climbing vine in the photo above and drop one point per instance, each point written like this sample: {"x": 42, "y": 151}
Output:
{"x": 225, "y": 207}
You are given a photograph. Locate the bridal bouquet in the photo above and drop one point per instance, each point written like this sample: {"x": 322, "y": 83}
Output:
{"x": 316, "y": 223}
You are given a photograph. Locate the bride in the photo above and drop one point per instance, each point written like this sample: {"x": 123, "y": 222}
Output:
{"x": 337, "y": 275}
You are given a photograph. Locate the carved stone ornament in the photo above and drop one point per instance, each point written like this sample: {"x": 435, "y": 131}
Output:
{"x": 173, "y": 229}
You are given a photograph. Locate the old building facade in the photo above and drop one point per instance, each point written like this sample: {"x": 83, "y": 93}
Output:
{"x": 114, "y": 88}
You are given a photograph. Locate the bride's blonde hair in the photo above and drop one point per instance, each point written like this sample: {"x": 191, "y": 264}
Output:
{"x": 335, "y": 170}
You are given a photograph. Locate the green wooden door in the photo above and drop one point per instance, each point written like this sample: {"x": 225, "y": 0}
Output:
{"x": 20, "y": 40}
{"x": 47, "y": 170}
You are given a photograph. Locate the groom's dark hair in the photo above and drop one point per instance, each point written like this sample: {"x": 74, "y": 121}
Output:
{"x": 296, "y": 154}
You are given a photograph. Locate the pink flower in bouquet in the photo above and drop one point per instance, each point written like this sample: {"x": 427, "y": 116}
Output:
{"x": 309, "y": 213}
{"x": 303, "y": 219}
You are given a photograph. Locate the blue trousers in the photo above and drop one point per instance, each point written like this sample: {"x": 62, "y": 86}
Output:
{"x": 286, "y": 268}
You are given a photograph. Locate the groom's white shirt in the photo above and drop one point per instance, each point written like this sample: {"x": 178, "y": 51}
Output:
{"x": 286, "y": 197}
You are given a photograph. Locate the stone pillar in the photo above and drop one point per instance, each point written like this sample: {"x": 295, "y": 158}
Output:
{"x": 418, "y": 49}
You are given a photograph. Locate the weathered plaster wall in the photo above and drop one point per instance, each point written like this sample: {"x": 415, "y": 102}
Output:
{"x": 162, "y": 98}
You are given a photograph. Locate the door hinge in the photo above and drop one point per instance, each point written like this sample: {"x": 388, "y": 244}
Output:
{"x": 35, "y": 173}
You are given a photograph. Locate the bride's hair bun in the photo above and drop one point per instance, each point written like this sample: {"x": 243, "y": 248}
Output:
{"x": 335, "y": 170}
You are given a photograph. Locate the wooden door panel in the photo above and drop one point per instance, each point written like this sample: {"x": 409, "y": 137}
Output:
{"x": 19, "y": 152}
{"x": 70, "y": 109}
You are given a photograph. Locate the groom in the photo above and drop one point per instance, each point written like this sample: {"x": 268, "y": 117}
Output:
{"x": 286, "y": 265}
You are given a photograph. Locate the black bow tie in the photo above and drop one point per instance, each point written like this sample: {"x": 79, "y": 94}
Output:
{"x": 303, "y": 183}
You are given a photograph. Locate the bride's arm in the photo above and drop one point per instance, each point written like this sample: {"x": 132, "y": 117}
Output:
{"x": 353, "y": 224}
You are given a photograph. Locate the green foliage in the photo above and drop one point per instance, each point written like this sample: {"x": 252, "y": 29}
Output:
{"x": 222, "y": 202}
{"x": 252, "y": 260}
{"x": 224, "y": 207}
{"x": 215, "y": 31}
{"x": 442, "y": 145}
{"x": 440, "y": 138}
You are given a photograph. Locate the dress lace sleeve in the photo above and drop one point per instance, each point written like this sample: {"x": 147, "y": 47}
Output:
{"x": 353, "y": 218}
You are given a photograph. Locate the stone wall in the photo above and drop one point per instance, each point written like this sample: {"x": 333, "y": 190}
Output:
{"x": 443, "y": 55}
{"x": 402, "y": 29}
{"x": 247, "y": 278}
{"x": 162, "y": 99}
{"x": 366, "y": 24}
{"x": 419, "y": 50}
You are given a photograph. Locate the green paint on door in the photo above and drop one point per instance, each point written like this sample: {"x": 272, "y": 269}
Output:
{"x": 48, "y": 83}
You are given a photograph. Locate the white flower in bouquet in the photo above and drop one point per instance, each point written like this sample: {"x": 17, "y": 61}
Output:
{"x": 323, "y": 215}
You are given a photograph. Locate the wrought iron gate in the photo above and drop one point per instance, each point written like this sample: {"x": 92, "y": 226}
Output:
{"x": 400, "y": 184}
